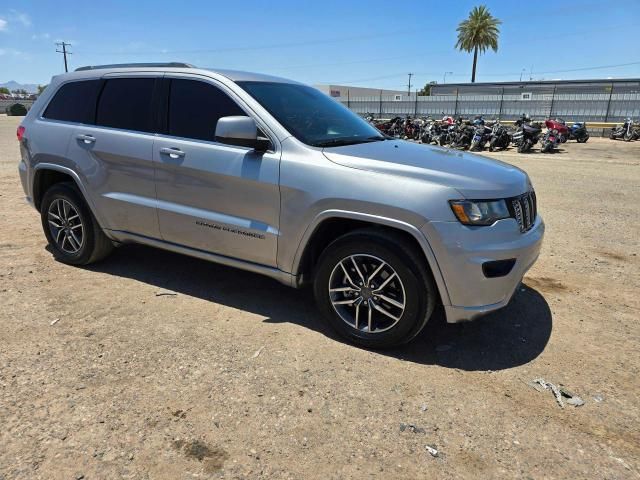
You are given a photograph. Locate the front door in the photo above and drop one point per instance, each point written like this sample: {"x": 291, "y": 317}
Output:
{"x": 218, "y": 198}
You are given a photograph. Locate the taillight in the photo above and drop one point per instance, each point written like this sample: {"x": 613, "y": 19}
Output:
{"x": 20, "y": 132}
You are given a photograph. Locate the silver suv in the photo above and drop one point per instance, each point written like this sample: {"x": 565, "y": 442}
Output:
{"x": 275, "y": 177}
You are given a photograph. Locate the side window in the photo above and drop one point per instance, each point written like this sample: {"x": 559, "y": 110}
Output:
{"x": 195, "y": 107}
{"x": 74, "y": 102}
{"x": 126, "y": 103}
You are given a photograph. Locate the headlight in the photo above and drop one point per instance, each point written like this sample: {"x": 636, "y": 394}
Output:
{"x": 478, "y": 212}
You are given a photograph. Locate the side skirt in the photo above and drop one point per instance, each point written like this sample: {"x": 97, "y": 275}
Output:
{"x": 128, "y": 237}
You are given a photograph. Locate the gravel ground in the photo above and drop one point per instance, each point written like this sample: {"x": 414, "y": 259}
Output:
{"x": 236, "y": 376}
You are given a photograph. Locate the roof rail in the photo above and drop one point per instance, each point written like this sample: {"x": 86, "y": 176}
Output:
{"x": 136, "y": 65}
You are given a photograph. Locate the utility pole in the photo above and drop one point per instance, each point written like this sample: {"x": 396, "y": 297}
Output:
{"x": 64, "y": 52}
{"x": 409, "y": 85}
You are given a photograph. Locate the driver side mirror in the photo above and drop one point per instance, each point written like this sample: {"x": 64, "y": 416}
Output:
{"x": 241, "y": 131}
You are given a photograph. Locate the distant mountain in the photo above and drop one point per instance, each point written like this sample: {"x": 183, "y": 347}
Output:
{"x": 13, "y": 85}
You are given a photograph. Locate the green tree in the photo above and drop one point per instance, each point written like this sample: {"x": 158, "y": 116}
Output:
{"x": 426, "y": 90}
{"x": 4, "y": 90}
{"x": 477, "y": 33}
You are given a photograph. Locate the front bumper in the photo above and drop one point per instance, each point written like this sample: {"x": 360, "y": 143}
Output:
{"x": 461, "y": 251}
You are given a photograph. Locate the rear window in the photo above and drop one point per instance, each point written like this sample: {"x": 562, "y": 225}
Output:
{"x": 126, "y": 103}
{"x": 74, "y": 102}
{"x": 195, "y": 108}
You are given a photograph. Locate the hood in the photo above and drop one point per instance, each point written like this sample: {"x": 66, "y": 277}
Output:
{"x": 474, "y": 176}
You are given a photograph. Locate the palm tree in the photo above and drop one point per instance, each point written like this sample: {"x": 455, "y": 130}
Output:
{"x": 477, "y": 33}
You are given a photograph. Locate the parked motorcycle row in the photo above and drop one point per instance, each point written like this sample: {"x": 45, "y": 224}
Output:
{"x": 630, "y": 130}
{"x": 477, "y": 134}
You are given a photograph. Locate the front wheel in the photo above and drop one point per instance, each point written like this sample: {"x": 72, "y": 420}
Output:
{"x": 71, "y": 230}
{"x": 372, "y": 292}
{"x": 627, "y": 137}
{"x": 583, "y": 139}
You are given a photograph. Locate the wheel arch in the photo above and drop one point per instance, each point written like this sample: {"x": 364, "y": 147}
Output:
{"x": 48, "y": 174}
{"x": 329, "y": 225}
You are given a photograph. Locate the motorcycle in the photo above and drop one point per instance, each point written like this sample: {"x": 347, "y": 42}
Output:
{"x": 625, "y": 131}
{"x": 578, "y": 132}
{"x": 448, "y": 134}
{"x": 463, "y": 136}
{"x": 553, "y": 136}
{"x": 393, "y": 127}
{"x": 526, "y": 134}
{"x": 500, "y": 137}
{"x": 430, "y": 131}
{"x": 481, "y": 135}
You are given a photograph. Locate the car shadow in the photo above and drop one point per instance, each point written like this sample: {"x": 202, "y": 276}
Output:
{"x": 504, "y": 339}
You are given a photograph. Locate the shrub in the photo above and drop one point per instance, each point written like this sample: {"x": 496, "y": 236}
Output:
{"x": 17, "y": 110}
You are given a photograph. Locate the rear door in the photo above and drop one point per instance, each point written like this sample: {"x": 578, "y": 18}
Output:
{"x": 219, "y": 198}
{"x": 115, "y": 154}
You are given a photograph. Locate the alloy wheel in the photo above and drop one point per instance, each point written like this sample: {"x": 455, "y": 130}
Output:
{"x": 65, "y": 225}
{"x": 367, "y": 293}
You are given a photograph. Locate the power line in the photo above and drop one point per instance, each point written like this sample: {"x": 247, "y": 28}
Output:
{"x": 64, "y": 52}
{"x": 503, "y": 74}
{"x": 259, "y": 47}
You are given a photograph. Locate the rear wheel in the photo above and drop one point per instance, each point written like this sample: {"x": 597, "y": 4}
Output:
{"x": 374, "y": 289}
{"x": 583, "y": 139}
{"x": 71, "y": 230}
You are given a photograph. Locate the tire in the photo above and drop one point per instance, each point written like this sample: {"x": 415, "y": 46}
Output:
{"x": 546, "y": 148}
{"x": 85, "y": 241}
{"x": 583, "y": 139}
{"x": 492, "y": 145}
{"x": 522, "y": 147}
{"x": 413, "y": 288}
{"x": 627, "y": 137}
{"x": 612, "y": 136}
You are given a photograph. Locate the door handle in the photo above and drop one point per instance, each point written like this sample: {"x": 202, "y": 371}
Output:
{"x": 88, "y": 139}
{"x": 172, "y": 152}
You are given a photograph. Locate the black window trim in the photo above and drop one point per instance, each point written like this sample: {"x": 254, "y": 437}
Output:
{"x": 163, "y": 106}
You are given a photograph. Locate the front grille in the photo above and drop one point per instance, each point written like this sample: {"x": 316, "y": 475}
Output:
{"x": 524, "y": 209}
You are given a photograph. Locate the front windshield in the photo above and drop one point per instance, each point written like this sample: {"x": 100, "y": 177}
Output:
{"x": 310, "y": 115}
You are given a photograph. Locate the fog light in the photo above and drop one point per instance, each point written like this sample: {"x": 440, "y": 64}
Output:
{"x": 498, "y": 268}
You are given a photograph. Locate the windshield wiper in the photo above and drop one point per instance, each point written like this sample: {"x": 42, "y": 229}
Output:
{"x": 340, "y": 142}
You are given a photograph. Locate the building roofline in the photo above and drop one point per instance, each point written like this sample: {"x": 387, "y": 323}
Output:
{"x": 538, "y": 82}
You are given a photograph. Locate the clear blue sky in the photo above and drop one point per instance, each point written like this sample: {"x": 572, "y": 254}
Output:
{"x": 373, "y": 43}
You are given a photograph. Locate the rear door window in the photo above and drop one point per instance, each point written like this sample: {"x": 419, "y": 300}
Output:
{"x": 195, "y": 108}
{"x": 74, "y": 102}
{"x": 126, "y": 103}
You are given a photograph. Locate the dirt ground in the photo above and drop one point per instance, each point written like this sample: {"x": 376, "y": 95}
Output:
{"x": 236, "y": 376}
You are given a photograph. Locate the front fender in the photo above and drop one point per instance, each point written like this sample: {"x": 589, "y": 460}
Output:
{"x": 414, "y": 231}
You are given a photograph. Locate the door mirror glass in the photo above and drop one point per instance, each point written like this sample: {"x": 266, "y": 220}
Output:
{"x": 241, "y": 131}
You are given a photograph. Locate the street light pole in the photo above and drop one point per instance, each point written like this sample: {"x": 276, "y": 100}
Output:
{"x": 523, "y": 70}
{"x": 444, "y": 78}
